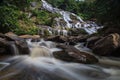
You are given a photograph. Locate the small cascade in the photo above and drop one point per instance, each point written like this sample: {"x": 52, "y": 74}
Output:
{"x": 50, "y": 31}
{"x": 71, "y": 20}
{"x": 14, "y": 48}
{"x": 42, "y": 48}
{"x": 86, "y": 45}
{"x": 65, "y": 32}
{"x": 81, "y": 47}
{"x": 40, "y": 52}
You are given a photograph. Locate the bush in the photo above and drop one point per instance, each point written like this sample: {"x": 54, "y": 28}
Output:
{"x": 8, "y": 18}
{"x": 44, "y": 17}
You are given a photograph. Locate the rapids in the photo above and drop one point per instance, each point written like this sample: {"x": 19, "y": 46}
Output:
{"x": 41, "y": 65}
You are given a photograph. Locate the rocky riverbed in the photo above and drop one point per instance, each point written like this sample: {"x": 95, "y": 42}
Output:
{"x": 83, "y": 54}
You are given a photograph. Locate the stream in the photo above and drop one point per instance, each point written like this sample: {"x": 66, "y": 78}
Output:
{"x": 41, "y": 65}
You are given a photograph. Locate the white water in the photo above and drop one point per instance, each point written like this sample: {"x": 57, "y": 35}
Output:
{"x": 14, "y": 48}
{"x": 46, "y": 67}
{"x": 90, "y": 27}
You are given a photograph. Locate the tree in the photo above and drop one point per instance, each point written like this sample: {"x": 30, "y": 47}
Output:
{"x": 107, "y": 11}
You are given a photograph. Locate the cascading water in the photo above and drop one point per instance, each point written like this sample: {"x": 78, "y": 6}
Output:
{"x": 90, "y": 27}
{"x": 14, "y": 48}
{"x": 41, "y": 65}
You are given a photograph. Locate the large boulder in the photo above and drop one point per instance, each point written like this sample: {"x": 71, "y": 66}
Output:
{"x": 72, "y": 40}
{"x": 3, "y": 45}
{"x": 75, "y": 39}
{"x": 108, "y": 45}
{"x": 2, "y": 35}
{"x": 7, "y": 47}
{"x": 35, "y": 38}
{"x": 22, "y": 47}
{"x": 10, "y": 36}
{"x": 29, "y": 36}
{"x": 91, "y": 41}
{"x": 72, "y": 54}
{"x": 60, "y": 39}
{"x": 3, "y": 42}
{"x": 11, "y": 41}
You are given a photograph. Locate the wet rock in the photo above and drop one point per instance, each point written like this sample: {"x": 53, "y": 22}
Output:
{"x": 91, "y": 41}
{"x": 10, "y": 36}
{"x": 110, "y": 30}
{"x": 2, "y": 35}
{"x": 75, "y": 39}
{"x": 22, "y": 47}
{"x": 108, "y": 45}
{"x": 71, "y": 40}
{"x": 10, "y": 41}
{"x": 77, "y": 31}
{"x": 71, "y": 54}
{"x": 5, "y": 47}
{"x": 29, "y": 36}
{"x": 2, "y": 50}
{"x": 19, "y": 42}
{"x": 35, "y": 38}
{"x": 60, "y": 39}
{"x": 3, "y": 42}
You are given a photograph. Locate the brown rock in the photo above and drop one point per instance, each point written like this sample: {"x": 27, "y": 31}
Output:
{"x": 71, "y": 54}
{"x": 19, "y": 42}
{"x": 12, "y": 37}
{"x": 107, "y": 45}
{"x": 2, "y": 35}
{"x": 35, "y": 38}
{"x": 91, "y": 41}
{"x": 22, "y": 47}
{"x": 2, "y": 50}
{"x": 30, "y": 36}
{"x": 75, "y": 39}
{"x": 3, "y": 42}
{"x": 60, "y": 39}
{"x": 6, "y": 47}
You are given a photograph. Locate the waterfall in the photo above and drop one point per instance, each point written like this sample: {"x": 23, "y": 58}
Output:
{"x": 42, "y": 48}
{"x": 90, "y": 27}
{"x": 40, "y": 52}
{"x": 14, "y": 48}
{"x": 65, "y": 32}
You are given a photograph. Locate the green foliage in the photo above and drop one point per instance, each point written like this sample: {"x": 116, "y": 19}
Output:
{"x": 8, "y": 18}
{"x": 14, "y": 13}
{"x": 82, "y": 8}
{"x": 20, "y": 4}
{"x": 46, "y": 32}
{"x": 13, "y": 17}
{"x": 29, "y": 30}
{"x": 44, "y": 17}
{"x": 107, "y": 11}
{"x": 86, "y": 10}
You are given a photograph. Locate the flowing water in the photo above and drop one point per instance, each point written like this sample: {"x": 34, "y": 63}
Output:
{"x": 70, "y": 20}
{"x": 14, "y": 48}
{"x": 41, "y": 65}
